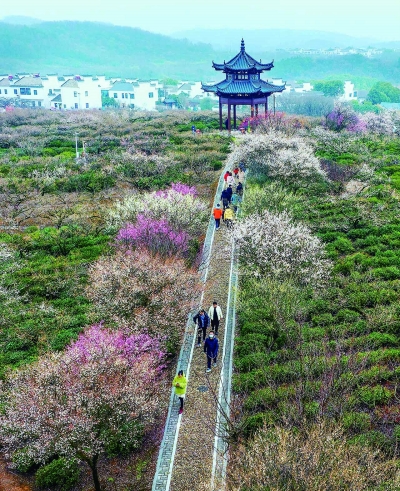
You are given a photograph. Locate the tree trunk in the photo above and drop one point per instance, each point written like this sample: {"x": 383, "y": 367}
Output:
{"x": 95, "y": 474}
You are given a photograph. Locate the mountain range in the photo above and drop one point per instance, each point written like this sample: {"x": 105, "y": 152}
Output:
{"x": 31, "y": 45}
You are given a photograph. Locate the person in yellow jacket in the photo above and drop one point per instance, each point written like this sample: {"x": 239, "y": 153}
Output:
{"x": 229, "y": 216}
{"x": 180, "y": 384}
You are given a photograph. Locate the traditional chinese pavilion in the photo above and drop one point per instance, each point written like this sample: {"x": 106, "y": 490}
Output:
{"x": 242, "y": 85}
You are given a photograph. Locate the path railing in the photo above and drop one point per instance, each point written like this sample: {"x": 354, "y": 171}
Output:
{"x": 162, "y": 478}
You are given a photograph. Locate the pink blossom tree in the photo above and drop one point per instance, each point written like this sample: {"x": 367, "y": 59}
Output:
{"x": 101, "y": 394}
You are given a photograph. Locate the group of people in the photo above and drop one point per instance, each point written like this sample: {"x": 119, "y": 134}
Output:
{"x": 230, "y": 198}
{"x": 203, "y": 320}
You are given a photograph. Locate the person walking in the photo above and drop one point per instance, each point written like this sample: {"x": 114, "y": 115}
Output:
{"x": 180, "y": 384}
{"x": 239, "y": 189}
{"x": 215, "y": 315}
{"x": 211, "y": 347}
{"x": 229, "y": 217}
{"x": 203, "y": 321}
{"x": 236, "y": 172}
{"x": 225, "y": 198}
{"x": 229, "y": 192}
{"x": 235, "y": 201}
{"x": 217, "y": 216}
{"x": 230, "y": 180}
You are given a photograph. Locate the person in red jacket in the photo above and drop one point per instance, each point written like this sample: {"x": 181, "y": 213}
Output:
{"x": 217, "y": 215}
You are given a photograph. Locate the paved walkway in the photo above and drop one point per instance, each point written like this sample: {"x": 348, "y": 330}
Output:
{"x": 193, "y": 451}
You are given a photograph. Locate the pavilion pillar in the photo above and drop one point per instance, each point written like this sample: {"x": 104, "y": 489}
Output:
{"x": 234, "y": 116}
{"x": 229, "y": 117}
{"x": 256, "y": 110}
{"x": 252, "y": 109}
{"x": 266, "y": 107}
{"x": 220, "y": 115}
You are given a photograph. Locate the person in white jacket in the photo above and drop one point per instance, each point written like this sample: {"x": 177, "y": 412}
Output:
{"x": 215, "y": 315}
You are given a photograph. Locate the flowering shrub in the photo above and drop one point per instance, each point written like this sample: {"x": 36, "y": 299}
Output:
{"x": 288, "y": 158}
{"x": 98, "y": 397}
{"x": 179, "y": 206}
{"x": 144, "y": 292}
{"x": 271, "y": 244}
{"x": 156, "y": 235}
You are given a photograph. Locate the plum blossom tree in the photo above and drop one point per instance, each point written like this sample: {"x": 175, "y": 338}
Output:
{"x": 379, "y": 124}
{"x": 273, "y": 245}
{"x": 287, "y": 158}
{"x": 178, "y": 205}
{"x": 141, "y": 291}
{"x": 96, "y": 398}
{"x": 156, "y": 235}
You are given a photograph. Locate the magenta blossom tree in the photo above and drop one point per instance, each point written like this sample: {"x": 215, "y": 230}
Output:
{"x": 156, "y": 235}
{"x": 96, "y": 398}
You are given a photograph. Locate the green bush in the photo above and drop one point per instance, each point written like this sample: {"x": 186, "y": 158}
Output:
{"x": 22, "y": 461}
{"x": 60, "y": 473}
{"x": 356, "y": 422}
{"x": 374, "y": 439}
{"x": 374, "y": 396}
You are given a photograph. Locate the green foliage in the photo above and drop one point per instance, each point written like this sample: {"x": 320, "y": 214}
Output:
{"x": 338, "y": 353}
{"x": 365, "y": 107}
{"x": 107, "y": 101}
{"x": 58, "y": 474}
{"x": 332, "y": 88}
{"x": 383, "y": 92}
{"x": 357, "y": 422}
{"x": 374, "y": 396}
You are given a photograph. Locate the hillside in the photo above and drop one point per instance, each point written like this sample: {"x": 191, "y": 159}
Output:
{"x": 96, "y": 48}
{"x": 273, "y": 39}
{"x": 89, "y": 47}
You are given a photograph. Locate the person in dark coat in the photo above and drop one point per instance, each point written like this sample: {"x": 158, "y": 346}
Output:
{"x": 211, "y": 347}
{"x": 203, "y": 321}
{"x": 225, "y": 198}
{"x": 239, "y": 189}
{"x": 229, "y": 192}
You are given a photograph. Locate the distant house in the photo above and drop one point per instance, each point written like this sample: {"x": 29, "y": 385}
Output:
{"x": 123, "y": 93}
{"x": 79, "y": 93}
{"x": 349, "y": 93}
{"x": 30, "y": 90}
{"x": 170, "y": 103}
{"x": 5, "y": 91}
{"x": 361, "y": 95}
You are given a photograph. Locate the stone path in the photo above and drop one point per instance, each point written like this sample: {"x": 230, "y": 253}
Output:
{"x": 193, "y": 451}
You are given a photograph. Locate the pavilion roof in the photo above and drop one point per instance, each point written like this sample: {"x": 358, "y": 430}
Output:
{"x": 243, "y": 62}
{"x": 250, "y": 87}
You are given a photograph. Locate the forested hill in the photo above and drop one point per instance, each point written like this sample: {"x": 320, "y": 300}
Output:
{"x": 90, "y": 47}
{"x": 96, "y": 48}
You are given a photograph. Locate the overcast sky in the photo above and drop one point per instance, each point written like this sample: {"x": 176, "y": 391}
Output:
{"x": 369, "y": 18}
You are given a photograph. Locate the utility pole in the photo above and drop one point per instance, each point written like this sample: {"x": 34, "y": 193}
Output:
{"x": 76, "y": 146}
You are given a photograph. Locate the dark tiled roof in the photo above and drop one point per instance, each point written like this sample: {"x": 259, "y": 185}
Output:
{"x": 57, "y": 98}
{"x": 243, "y": 61}
{"x": 122, "y": 86}
{"x": 243, "y": 87}
{"x": 71, "y": 83}
{"x": 28, "y": 82}
{"x": 4, "y": 82}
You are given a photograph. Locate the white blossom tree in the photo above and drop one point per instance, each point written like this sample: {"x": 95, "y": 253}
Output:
{"x": 272, "y": 244}
{"x": 182, "y": 211}
{"x": 288, "y": 158}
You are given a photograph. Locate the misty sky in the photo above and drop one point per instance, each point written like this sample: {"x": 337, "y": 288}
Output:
{"x": 368, "y": 18}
